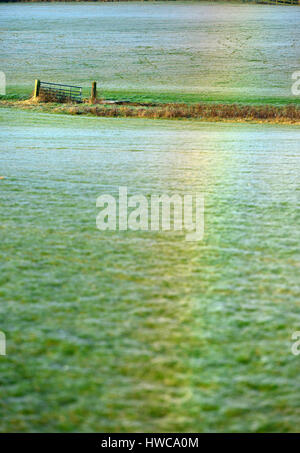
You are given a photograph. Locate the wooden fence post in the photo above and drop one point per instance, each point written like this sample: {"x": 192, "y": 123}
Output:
{"x": 94, "y": 92}
{"x": 37, "y": 88}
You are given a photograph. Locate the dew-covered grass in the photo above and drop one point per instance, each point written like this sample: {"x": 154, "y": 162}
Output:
{"x": 172, "y": 51}
{"x": 144, "y": 331}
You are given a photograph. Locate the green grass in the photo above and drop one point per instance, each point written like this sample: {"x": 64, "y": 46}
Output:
{"x": 143, "y": 331}
{"x": 25, "y": 92}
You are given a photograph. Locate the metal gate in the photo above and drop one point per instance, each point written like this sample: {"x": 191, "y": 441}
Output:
{"x": 61, "y": 93}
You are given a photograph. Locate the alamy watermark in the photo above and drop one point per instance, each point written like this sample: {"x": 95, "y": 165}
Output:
{"x": 2, "y": 343}
{"x": 153, "y": 213}
{"x": 296, "y": 345}
{"x": 2, "y": 83}
{"x": 296, "y": 84}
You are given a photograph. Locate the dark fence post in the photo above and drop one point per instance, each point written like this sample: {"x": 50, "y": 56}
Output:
{"x": 37, "y": 88}
{"x": 94, "y": 92}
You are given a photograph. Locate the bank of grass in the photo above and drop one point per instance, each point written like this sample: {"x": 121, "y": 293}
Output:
{"x": 215, "y": 112}
{"x": 205, "y": 111}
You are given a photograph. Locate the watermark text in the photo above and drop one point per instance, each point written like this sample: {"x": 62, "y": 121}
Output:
{"x": 153, "y": 213}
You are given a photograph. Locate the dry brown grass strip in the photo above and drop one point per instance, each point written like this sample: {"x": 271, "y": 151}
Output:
{"x": 198, "y": 111}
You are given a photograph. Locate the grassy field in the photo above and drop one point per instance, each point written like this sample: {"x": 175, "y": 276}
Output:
{"x": 23, "y": 93}
{"x": 156, "y": 51}
{"x": 143, "y": 331}
{"x": 140, "y": 331}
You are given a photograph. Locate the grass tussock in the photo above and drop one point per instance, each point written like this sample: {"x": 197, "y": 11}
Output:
{"x": 271, "y": 113}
